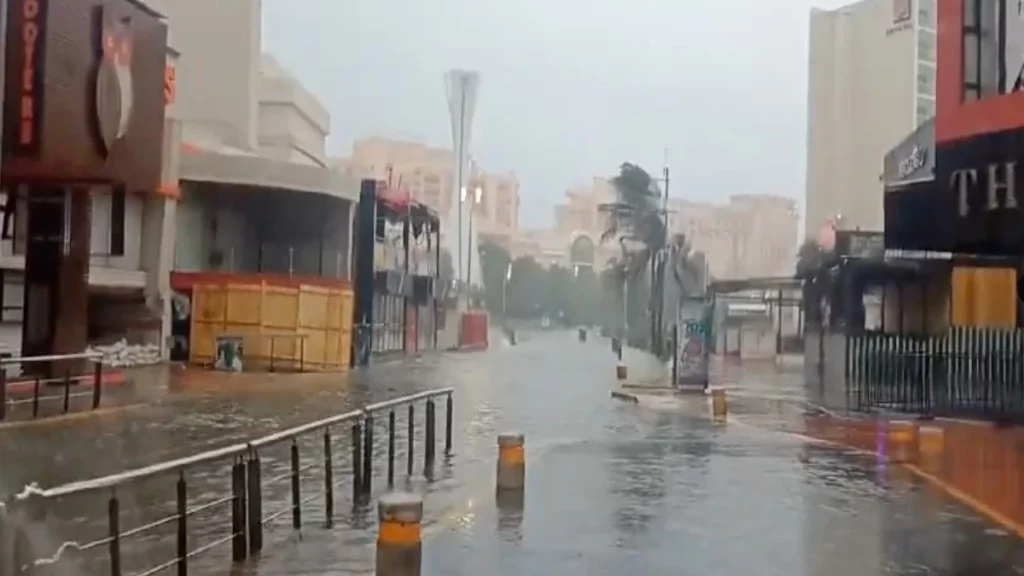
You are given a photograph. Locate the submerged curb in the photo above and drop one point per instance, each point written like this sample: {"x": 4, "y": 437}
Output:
{"x": 625, "y": 397}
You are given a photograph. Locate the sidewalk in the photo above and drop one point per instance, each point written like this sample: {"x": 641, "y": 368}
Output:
{"x": 667, "y": 491}
{"x": 980, "y": 465}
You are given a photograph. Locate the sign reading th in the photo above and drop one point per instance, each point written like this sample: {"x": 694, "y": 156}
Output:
{"x": 998, "y": 182}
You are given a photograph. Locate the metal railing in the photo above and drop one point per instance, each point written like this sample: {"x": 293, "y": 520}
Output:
{"x": 67, "y": 382}
{"x": 966, "y": 372}
{"x": 247, "y": 488}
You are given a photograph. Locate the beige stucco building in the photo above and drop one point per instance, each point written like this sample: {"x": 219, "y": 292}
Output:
{"x": 871, "y": 81}
{"x": 748, "y": 236}
{"x": 425, "y": 172}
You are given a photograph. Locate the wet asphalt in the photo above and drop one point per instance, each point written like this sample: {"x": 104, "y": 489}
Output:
{"x": 654, "y": 488}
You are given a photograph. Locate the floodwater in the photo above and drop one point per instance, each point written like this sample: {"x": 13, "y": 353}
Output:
{"x": 655, "y": 488}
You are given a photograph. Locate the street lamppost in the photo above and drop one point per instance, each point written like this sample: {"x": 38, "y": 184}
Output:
{"x": 478, "y": 193}
{"x": 504, "y": 288}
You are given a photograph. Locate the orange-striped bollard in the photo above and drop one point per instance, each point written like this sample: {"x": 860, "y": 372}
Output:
{"x": 399, "y": 538}
{"x": 719, "y": 407}
{"x": 511, "y": 462}
{"x": 931, "y": 444}
{"x": 901, "y": 435}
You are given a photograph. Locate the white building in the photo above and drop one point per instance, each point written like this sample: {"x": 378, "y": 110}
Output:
{"x": 871, "y": 82}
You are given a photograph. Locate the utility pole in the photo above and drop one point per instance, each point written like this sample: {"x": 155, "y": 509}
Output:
{"x": 658, "y": 259}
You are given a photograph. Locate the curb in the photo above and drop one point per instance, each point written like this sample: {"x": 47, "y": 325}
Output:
{"x": 625, "y": 397}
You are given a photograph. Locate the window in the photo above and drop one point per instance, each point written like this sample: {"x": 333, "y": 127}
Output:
{"x": 926, "y": 14}
{"x": 925, "y": 109}
{"x": 926, "y": 46}
{"x": 926, "y": 80}
{"x": 984, "y": 36}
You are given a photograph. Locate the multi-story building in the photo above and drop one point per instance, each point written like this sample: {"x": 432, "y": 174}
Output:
{"x": 425, "y": 173}
{"x": 969, "y": 213}
{"x": 96, "y": 175}
{"x": 749, "y": 236}
{"x": 872, "y": 74}
{"x": 259, "y": 208}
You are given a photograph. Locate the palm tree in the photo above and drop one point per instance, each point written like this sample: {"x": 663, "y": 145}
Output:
{"x": 811, "y": 267}
{"x": 636, "y": 220}
{"x": 809, "y": 259}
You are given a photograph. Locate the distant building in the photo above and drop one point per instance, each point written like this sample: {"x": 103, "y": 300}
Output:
{"x": 751, "y": 235}
{"x": 425, "y": 173}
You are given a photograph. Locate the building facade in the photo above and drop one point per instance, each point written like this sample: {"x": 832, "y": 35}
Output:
{"x": 747, "y": 236}
{"x": 94, "y": 174}
{"x": 260, "y": 217}
{"x": 872, "y": 77}
{"x": 425, "y": 174}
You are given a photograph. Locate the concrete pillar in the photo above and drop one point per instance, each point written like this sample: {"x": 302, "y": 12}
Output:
{"x": 159, "y": 227}
{"x": 399, "y": 537}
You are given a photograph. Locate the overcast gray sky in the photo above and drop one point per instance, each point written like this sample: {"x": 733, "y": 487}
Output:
{"x": 569, "y": 88}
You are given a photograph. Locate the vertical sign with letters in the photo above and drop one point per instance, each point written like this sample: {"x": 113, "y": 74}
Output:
{"x": 26, "y": 31}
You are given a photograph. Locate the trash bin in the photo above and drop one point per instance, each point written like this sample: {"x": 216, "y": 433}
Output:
{"x": 229, "y": 353}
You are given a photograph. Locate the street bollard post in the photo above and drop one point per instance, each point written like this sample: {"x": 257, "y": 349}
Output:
{"x": 719, "y": 406}
{"x": 901, "y": 440}
{"x": 620, "y": 370}
{"x": 399, "y": 536}
{"x": 931, "y": 444}
{"x": 511, "y": 463}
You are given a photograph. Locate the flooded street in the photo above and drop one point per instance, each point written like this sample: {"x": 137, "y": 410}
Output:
{"x": 611, "y": 487}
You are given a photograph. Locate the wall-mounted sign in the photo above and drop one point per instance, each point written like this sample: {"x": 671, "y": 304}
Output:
{"x": 27, "y": 22}
{"x": 975, "y": 203}
{"x": 912, "y": 159}
{"x": 115, "y": 89}
{"x": 97, "y": 114}
{"x": 913, "y": 162}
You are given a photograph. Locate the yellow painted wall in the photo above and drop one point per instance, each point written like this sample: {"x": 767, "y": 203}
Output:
{"x": 984, "y": 297}
{"x": 322, "y": 316}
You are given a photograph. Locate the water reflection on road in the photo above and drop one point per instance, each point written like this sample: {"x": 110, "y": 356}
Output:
{"x": 611, "y": 487}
